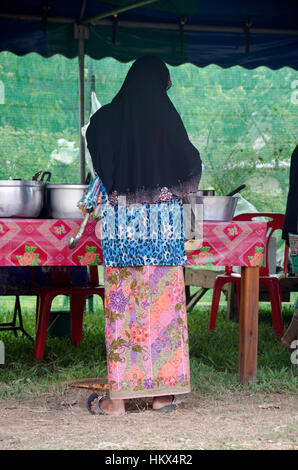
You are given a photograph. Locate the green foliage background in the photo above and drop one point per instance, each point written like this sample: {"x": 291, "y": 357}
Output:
{"x": 242, "y": 121}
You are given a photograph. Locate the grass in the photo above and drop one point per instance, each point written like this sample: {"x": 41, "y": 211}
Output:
{"x": 214, "y": 356}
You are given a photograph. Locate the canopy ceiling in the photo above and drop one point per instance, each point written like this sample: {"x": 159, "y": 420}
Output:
{"x": 249, "y": 33}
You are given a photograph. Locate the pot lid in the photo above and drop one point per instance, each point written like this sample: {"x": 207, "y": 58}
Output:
{"x": 67, "y": 186}
{"x": 20, "y": 183}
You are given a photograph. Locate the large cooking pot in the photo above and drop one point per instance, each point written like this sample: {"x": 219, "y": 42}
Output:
{"x": 217, "y": 208}
{"x": 21, "y": 198}
{"x": 214, "y": 208}
{"x": 61, "y": 201}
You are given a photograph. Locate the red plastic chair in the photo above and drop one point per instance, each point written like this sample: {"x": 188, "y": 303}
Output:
{"x": 60, "y": 285}
{"x": 272, "y": 281}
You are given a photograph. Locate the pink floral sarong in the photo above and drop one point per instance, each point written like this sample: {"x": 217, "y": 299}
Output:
{"x": 146, "y": 331}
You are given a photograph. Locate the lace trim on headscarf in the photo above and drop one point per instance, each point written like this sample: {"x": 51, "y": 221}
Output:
{"x": 158, "y": 194}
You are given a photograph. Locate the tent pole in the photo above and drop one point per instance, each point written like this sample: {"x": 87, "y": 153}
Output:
{"x": 81, "y": 57}
{"x": 81, "y": 33}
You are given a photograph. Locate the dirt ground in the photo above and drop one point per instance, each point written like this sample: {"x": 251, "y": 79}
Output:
{"x": 238, "y": 421}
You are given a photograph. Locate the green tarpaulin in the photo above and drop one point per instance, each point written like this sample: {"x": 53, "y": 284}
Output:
{"x": 244, "y": 122}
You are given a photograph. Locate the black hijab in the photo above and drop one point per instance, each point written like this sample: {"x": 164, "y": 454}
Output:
{"x": 291, "y": 216}
{"x": 138, "y": 143}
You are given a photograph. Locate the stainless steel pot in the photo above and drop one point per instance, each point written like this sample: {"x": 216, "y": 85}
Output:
{"x": 21, "y": 198}
{"x": 61, "y": 201}
{"x": 216, "y": 208}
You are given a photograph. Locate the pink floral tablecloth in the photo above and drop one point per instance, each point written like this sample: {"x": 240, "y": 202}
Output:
{"x": 38, "y": 242}
{"x": 231, "y": 244}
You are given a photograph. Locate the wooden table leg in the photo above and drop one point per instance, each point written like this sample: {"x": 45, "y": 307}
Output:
{"x": 248, "y": 323}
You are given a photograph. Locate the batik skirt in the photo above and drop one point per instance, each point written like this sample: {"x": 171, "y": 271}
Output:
{"x": 146, "y": 331}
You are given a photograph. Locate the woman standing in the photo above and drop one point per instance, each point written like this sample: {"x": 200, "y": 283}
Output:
{"x": 146, "y": 164}
{"x": 291, "y": 215}
{"x": 291, "y": 226}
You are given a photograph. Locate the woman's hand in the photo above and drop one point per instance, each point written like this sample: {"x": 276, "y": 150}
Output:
{"x": 192, "y": 245}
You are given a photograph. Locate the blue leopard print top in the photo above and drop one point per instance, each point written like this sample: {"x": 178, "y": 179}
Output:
{"x": 141, "y": 234}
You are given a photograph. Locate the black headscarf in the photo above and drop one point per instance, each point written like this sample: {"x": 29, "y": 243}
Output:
{"x": 138, "y": 143}
{"x": 291, "y": 216}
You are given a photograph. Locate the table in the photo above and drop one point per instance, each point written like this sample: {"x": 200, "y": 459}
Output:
{"x": 38, "y": 242}
{"x": 238, "y": 244}
{"x": 44, "y": 242}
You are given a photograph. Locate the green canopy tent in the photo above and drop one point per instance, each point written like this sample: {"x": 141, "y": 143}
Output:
{"x": 80, "y": 25}
{"x": 249, "y": 33}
